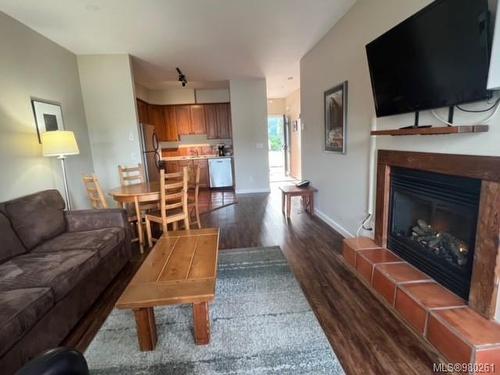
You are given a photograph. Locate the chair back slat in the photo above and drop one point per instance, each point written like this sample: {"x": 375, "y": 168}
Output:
{"x": 174, "y": 193}
{"x": 94, "y": 192}
{"x": 131, "y": 175}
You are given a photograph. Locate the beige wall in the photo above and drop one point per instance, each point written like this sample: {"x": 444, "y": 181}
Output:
{"x": 171, "y": 96}
{"x": 292, "y": 110}
{"x": 110, "y": 109}
{"x": 141, "y": 92}
{"x": 33, "y": 66}
{"x": 276, "y": 107}
{"x": 182, "y": 95}
{"x": 249, "y": 119}
{"x": 212, "y": 96}
{"x": 342, "y": 180}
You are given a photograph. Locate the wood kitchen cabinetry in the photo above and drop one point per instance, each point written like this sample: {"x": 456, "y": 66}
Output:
{"x": 173, "y": 166}
{"x": 172, "y": 121}
{"x": 142, "y": 111}
{"x": 183, "y": 119}
{"x": 170, "y": 132}
{"x": 156, "y": 118}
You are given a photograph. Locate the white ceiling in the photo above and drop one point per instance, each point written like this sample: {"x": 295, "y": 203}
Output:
{"x": 210, "y": 40}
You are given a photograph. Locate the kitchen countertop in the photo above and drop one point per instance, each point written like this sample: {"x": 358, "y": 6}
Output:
{"x": 194, "y": 157}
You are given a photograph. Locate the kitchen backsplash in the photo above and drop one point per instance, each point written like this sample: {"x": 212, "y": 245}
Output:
{"x": 186, "y": 150}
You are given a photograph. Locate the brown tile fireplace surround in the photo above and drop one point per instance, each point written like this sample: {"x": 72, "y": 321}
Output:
{"x": 463, "y": 330}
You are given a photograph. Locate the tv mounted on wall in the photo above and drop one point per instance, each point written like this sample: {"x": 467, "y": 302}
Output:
{"x": 439, "y": 57}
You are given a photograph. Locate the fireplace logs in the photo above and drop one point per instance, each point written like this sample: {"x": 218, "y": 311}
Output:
{"x": 442, "y": 243}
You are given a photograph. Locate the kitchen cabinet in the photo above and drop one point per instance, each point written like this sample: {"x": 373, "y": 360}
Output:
{"x": 142, "y": 111}
{"x": 224, "y": 130}
{"x": 183, "y": 119}
{"x": 173, "y": 166}
{"x": 211, "y": 121}
{"x": 156, "y": 118}
{"x": 170, "y": 124}
{"x": 198, "y": 119}
{"x": 172, "y": 121}
{"x": 204, "y": 178}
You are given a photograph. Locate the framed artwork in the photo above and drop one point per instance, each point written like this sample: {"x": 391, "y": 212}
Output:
{"x": 336, "y": 118}
{"x": 48, "y": 116}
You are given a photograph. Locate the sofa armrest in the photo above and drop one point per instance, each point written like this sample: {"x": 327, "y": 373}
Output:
{"x": 81, "y": 220}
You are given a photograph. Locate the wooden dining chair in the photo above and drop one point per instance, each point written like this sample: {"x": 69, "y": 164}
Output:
{"x": 173, "y": 203}
{"x": 193, "y": 196}
{"x": 94, "y": 192}
{"x": 131, "y": 175}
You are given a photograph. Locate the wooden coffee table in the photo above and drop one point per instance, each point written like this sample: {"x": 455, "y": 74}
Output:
{"x": 289, "y": 191}
{"x": 181, "y": 268}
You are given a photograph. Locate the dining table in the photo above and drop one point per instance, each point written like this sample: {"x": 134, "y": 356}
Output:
{"x": 137, "y": 194}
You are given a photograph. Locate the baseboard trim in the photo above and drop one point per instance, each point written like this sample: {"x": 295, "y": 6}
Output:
{"x": 332, "y": 223}
{"x": 252, "y": 191}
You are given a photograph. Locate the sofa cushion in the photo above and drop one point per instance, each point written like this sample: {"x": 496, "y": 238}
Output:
{"x": 60, "y": 270}
{"x": 21, "y": 309}
{"x": 99, "y": 240}
{"x": 10, "y": 245}
{"x": 37, "y": 217}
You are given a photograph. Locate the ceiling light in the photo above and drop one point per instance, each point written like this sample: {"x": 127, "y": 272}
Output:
{"x": 182, "y": 77}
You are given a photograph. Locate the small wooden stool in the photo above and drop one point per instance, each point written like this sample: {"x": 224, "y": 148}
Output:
{"x": 307, "y": 194}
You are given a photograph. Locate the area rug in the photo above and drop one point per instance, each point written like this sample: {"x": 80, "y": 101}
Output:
{"x": 261, "y": 324}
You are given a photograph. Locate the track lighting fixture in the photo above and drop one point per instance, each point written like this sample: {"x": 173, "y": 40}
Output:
{"x": 182, "y": 78}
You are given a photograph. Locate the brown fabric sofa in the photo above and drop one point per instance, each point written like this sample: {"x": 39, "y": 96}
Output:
{"x": 53, "y": 266}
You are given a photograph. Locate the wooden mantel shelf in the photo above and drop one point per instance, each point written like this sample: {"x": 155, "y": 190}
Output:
{"x": 434, "y": 131}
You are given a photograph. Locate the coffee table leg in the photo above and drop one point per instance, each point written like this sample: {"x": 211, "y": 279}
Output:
{"x": 201, "y": 320}
{"x": 146, "y": 328}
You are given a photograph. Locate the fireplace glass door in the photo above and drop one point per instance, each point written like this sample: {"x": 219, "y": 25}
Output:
{"x": 433, "y": 224}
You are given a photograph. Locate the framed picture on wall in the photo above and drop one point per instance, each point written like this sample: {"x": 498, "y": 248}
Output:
{"x": 336, "y": 118}
{"x": 48, "y": 116}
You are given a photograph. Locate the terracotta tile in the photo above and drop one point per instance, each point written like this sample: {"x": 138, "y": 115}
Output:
{"x": 447, "y": 342}
{"x": 365, "y": 259}
{"x": 413, "y": 313}
{"x": 379, "y": 256}
{"x": 401, "y": 272}
{"x": 364, "y": 268}
{"x": 384, "y": 286}
{"x": 471, "y": 326}
{"x": 360, "y": 243}
{"x": 488, "y": 361}
{"x": 431, "y": 295}
{"x": 349, "y": 255}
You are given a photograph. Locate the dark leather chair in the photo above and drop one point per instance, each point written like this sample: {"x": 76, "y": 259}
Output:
{"x": 58, "y": 361}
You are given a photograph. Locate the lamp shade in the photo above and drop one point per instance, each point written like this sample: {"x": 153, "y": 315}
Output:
{"x": 59, "y": 143}
{"x": 494, "y": 77}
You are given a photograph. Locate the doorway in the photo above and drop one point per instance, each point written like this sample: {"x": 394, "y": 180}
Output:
{"x": 278, "y": 131}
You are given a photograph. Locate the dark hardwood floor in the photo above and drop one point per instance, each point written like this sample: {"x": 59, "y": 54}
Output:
{"x": 365, "y": 335}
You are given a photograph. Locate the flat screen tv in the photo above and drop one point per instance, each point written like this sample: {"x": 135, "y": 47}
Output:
{"x": 439, "y": 57}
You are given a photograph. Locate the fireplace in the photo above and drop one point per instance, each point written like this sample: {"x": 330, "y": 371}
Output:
{"x": 432, "y": 224}
{"x": 441, "y": 212}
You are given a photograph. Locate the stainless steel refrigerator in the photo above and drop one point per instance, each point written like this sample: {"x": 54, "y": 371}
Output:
{"x": 150, "y": 149}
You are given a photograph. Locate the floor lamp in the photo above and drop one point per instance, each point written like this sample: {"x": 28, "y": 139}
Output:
{"x": 60, "y": 143}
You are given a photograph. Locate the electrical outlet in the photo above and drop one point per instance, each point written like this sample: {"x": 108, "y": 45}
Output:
{"x": 259, "y": 145}
{"x": 131, "y": 137}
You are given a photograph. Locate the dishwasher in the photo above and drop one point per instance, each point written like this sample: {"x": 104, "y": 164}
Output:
{"x": 221, "y": 172}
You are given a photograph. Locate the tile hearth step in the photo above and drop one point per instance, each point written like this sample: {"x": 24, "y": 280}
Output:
{"x": 459, "y": 333}
{"x": 415, "y": 302}
{"x": 367, "y": 259}
{"x": 387, "y": 277}
{"x": 464, "y": 336}
{"x": 353, "y": 245}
